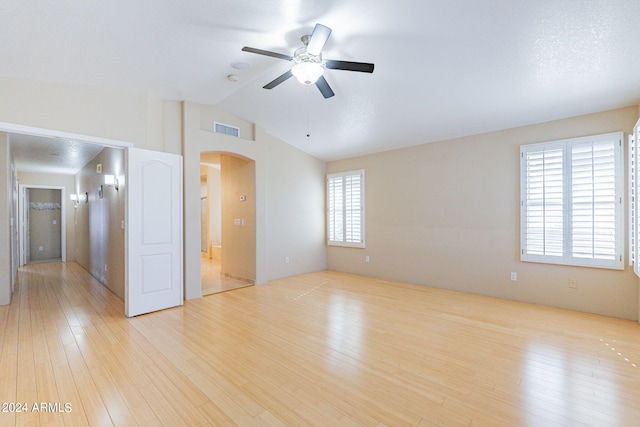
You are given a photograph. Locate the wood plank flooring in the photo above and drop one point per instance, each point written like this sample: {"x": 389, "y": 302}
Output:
{"x": 213, "y": 281}
{"x": 321, "y": 349}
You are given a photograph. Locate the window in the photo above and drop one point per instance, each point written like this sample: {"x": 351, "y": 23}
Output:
{"x": 345, "y": 209}
{"x": 571, "y": 207}
{"x": 634, "y": 200}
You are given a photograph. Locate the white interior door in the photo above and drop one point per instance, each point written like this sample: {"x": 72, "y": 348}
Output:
{"x": 154, "y": 232}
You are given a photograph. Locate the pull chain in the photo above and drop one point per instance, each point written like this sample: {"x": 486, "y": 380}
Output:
{"x": 308, "y": 103}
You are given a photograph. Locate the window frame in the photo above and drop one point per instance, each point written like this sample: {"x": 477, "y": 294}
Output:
{"x": 344, "y": 243}
{"x": 567, "y": 257}
{"x": 634, "y": 199}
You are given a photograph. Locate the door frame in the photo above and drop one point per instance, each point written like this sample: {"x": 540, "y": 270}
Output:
{"x": 22, "y": 223}
{"x": 205, "y": 162}
{"x": 49, "y": 133}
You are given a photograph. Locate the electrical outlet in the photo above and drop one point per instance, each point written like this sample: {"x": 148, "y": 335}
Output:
{"x": 514, "y": 276}
{"x": 572, "y": 284}
{"x": 367, "y": 259}
{"x": 286, "y": 260}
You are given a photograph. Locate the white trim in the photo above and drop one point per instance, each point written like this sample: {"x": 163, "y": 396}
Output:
{"x": 49, "y": 133}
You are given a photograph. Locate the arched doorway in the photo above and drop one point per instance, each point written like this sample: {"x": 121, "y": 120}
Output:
{"x": 228, "y": 221}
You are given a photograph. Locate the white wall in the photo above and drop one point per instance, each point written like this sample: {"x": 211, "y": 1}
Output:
{"x": 447, "y": 214}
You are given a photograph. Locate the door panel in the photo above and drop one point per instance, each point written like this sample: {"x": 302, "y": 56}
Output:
{"x": 154, "y": 231}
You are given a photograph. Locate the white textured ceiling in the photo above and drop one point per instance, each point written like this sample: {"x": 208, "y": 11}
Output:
{"x": 444, "y": 68}
{"x": 61, "y": 156}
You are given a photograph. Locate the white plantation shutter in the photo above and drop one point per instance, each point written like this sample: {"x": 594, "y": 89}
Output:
{"x": 345, "y": 208}
{"x": 336, "y": 209}
{"x": 545, "y": 202}
{"x": 572, "y": 201}
{"x": 634, "y": 198}
{"x": 593, "y": 210}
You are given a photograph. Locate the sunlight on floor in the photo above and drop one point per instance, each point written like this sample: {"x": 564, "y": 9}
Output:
{"x": 213, "y": 281}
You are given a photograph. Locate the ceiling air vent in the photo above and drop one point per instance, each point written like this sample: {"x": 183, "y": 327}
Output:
{"x": 226, "y": 129}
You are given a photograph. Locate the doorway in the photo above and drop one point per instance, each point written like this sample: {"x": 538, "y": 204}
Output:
{"x": 151, "y": 168}
{"x": 228, "y": 218}
{"x": 42, "y": 224}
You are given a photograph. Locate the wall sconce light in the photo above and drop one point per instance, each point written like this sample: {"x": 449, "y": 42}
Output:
{"x": 111, "y": 181}
{"x": 78, "y": 198}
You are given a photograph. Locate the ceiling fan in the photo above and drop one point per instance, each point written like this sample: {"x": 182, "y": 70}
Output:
{"x": 308, "y": 66}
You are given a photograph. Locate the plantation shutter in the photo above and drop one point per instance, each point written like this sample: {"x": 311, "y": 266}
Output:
{"x": 345, "y": 210}
{"x": 544, "y": 202}
{"x": 571, "y": 207}
{"x": 336, "y": 209}
{"x": 353, "y": 208}
{"x": 634, "y": 199}
{"x": 593, "y": 200}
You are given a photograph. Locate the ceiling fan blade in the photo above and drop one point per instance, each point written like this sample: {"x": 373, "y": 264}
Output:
{"x": 277, "y": 81}
{"x": 318, "y": 39}
{"x": 363, "y": 67}
{"x": 324, "y": 87}
{"x": 267, "y": 53}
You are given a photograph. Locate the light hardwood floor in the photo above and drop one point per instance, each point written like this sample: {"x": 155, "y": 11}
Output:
{"x": 325, "y": 349}
{"x": 213, "y": 281}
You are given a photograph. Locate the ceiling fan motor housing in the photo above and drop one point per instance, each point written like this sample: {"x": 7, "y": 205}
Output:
{"x": 308, "y": 65}
{"x": 307, "y": 68}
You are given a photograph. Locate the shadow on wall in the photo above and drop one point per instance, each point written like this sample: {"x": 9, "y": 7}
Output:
{"x": 229, "y": 217}
{"x": 99, "y": 222}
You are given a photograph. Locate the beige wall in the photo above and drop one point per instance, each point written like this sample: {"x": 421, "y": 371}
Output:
{"x": 278, "y": 172}
{"x": 238, "y": 178}
{"x": 446, "y": 214}
{"x": 214, "y": 207}
{"x": 57, "y": 180}
{"x": 133, "y": 117}
{"x": 5, "y": 220}
{"x": 295, "y": 205}
{"x": 45, "y": 236}
{"x": 100, "y": 237}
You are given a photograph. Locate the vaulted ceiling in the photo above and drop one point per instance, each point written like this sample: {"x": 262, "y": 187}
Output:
{"x": 443, "y": 69}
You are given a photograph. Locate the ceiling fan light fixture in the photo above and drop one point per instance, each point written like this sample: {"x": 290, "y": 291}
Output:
{"x": 307, "y": 73}
{"x": 308, "y": 66}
